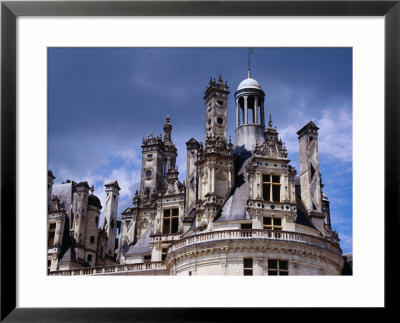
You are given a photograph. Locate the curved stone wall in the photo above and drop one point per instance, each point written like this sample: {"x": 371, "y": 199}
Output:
{"x": 203, "y": 255}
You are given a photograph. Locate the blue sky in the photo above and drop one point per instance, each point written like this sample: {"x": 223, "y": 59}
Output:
{"x": 103, "y": 101}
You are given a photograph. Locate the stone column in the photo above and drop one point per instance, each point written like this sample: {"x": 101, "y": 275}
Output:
{"x": 213, "y": 180}
{"x": 237, "y": 114}
{"x": 262, "y": 114}
{"x": 209, "y": 177}
{"x": 245, "y": 109}
{"x": 200, "y": 185}
{"x": 256, "y": 110}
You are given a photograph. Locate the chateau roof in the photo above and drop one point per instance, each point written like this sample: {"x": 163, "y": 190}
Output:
{"x": 307, "y": 128}
{"x": 235, "y": 206}
{"x": 249, "y": 83}
{"x": 64, "y": 194}
{"x": 113, "y": 183}
{"x": 302, "y": 215}
{"x": 142, "y": 245}
{"x": 94, "y": 200}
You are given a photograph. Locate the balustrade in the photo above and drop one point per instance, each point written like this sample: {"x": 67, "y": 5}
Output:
{"x": 110, "y": 269}
{"x": 255, "y": 234}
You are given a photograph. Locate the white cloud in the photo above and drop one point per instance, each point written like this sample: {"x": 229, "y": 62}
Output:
{"x": 129, "y": 155}
{"x": 128, "y": 180}
{"x": 335, "y": 134}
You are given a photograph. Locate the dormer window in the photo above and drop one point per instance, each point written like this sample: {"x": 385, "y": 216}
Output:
{"x": 271, "y": 188}
{"x": 171, "y": 221}
{"x": 270, "y": 223}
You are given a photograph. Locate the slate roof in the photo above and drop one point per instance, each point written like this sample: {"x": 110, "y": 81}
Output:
{"x": 64, "y": 194}
{"x": 94, "y": 200}
{"x": 67, "y": 250}
{"x": 113, "y": 183}
{"x": 142, "y": 245}
{"x": 235, "y": 206}
{"x": 302, "y": 215}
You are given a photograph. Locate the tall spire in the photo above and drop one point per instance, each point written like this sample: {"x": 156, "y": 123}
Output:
{"x": 270, "y": 121}
{"x": 248, "y": 68}
{"x": 167, "y": 129}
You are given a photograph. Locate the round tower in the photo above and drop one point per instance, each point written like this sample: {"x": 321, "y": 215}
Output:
{"x": 250, "y": 120}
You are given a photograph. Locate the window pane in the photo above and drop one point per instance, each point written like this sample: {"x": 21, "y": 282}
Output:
{"x": 276, "y": 179}
{"x": 272, "y": 273}
{"x": 166, "y": 226}
{"x": 272, "y": 264}
{"x": 166, "y": 213}
{"x": 248, "y": 263}
{"x": 52, "y": 226}
{"x": 267, "y": 221}
{"x": 266, "y": 178}
{"x": 283, "y": 265}
{"x": 175, "y": 212}
{"x": 276, "y": 193}
{"x": 283, "y": 273}
{"x": 51, "y": 239}
{"x": 266, "y": 192}
{"x": 174, "y": 225}
{"x": 277, "y": 221}
{"x": 248, "y": 272}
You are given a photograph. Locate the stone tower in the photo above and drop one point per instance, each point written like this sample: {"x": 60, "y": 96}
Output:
{"x": 216, "y": 101}
{"x": 153, "y": 164}
{"x": 310, "y": 179}
{"x": 192, "y": 148}
{"x": 92, "y": 227}
{"x": 50, "y": 182}
{"x": 250, "y": 120}
{"x": 79, "y": 216}
{"x": 110, "y": 215}
{"x": 215, "y": 162}
{"x": 170, "y": 153}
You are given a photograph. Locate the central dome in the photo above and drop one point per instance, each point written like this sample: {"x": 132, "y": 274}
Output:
{"x": 249, "y": 83}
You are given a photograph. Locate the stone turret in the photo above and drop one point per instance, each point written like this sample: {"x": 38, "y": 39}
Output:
{"x": 216, "y": 102}
{"x": 110, "y": 216}
{"x": 249, "y": 97}
{"x": 310, "y": 180}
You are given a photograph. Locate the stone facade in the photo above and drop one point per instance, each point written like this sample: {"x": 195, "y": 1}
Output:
{"x": 75, "y": 239}
{"x": 242, "y": 209}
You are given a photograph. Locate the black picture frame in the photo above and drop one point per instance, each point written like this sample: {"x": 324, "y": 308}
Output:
{"x": 10, "y": 10}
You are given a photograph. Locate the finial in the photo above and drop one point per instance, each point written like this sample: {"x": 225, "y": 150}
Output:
{"x": 220, "y": 79}
{"x": 230, "y": 140}
{"x": 92, "y": 189}
{"x": 210, "y": 79}
{"x": 248, "y": 68}
{"x": 270, "y": 121}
